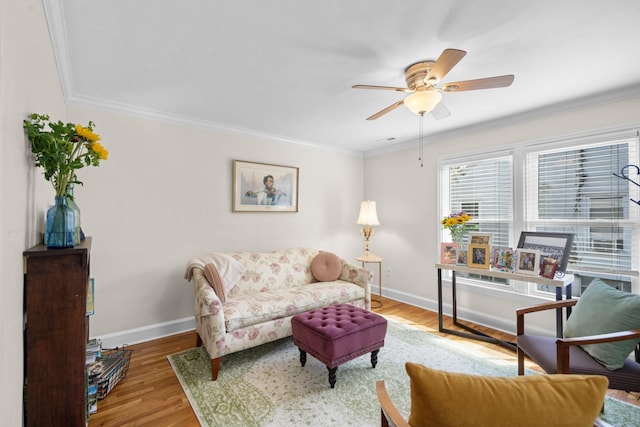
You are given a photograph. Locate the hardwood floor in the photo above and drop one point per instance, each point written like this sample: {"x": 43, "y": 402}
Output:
{"x": 150, "y": 394}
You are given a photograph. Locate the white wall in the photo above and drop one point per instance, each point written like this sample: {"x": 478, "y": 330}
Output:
{"x": 28, "y": 82}
{"x": 407, "y": 198}
{"x": 162, "y": 197}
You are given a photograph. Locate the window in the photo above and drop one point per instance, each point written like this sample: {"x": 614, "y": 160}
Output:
{"x": 563, "y": 186}
{"x": 482, "y": 188}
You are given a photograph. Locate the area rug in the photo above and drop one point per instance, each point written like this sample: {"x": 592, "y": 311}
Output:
{"x": 267, "y": 386}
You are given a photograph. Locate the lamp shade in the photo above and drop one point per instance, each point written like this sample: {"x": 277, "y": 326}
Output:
{"x": 422, "y": 101}
{"x": 368, "y": 215}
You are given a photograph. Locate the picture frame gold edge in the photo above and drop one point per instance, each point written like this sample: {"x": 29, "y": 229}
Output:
{"x": 487, "y": 257}
{"x": 237, "y": 207}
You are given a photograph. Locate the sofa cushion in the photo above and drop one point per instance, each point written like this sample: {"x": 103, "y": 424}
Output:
{"x": 448, "y": 399}
{"x": 326, "y": 267}
{"x": 278, "y": 303}
{"x": 264, "y": 271}
{"x": 603, "y": 309}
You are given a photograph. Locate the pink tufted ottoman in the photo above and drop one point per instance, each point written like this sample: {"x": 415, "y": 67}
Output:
{"x": 337, "y": 334}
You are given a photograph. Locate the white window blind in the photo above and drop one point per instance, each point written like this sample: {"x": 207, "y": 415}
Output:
{"x": 565, "y": 186}
{"x": 483, "y": 189}
{"x": 573, "y": 190}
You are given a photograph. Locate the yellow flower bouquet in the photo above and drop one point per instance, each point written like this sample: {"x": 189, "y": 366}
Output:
{"x": 456, "y": 222}
{"x": 63, "y": 148}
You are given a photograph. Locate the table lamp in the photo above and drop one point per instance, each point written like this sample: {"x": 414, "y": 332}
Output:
{"x": 368, "y": 218}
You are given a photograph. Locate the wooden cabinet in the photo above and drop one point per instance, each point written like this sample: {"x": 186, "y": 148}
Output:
{"x": 55, "y": 335}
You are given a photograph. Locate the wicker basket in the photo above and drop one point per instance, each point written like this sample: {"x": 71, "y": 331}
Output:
{"x": 116, "y": 363}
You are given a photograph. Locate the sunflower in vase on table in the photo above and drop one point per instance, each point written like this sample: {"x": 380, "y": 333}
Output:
{"x": 456, "y": 223}
{"x": 61, "y": 149}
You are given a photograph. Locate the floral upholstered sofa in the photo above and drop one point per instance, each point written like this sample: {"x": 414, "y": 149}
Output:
{"x": 245, "y": 299}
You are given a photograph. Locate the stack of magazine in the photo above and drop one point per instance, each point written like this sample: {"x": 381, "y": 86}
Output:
{"x": 94, "y": 353}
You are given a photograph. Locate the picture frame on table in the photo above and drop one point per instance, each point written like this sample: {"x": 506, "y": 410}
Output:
{"x": 480, "y": 239}
{"x": 550, "y": 244}
{"x": 548, "y": 268}
{"x": 479, "y": 256}
{"x": 264, "y": 187}
{"x": 462, "y": 258}
{"x": 448, "y": 252}
{"x": 528, "y": 261}
{"x": 503, "y": 258}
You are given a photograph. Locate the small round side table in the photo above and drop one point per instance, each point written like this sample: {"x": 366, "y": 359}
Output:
{"x": 369, "y": 258}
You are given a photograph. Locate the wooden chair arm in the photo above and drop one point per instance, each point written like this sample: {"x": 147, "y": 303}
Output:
{"x": 601, "y": 338}
{"x": 563, "y": 345}
{"x": 549, "y": 305}
{"x": 388, "y": 412}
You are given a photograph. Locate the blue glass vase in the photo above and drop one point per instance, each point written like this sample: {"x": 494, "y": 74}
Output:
{"x": 77, "y": 235}
{"x": 60, "y": 225}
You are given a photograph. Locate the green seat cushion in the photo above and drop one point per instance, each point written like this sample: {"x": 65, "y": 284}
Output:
{"x": 601, "y": 310}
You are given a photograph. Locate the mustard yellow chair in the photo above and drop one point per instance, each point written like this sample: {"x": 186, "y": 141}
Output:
{"x": 447, "y": 399}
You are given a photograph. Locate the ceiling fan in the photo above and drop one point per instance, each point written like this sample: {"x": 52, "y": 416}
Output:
{"x": 422, "y": 80}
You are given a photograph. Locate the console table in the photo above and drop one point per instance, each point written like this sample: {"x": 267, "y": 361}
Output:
{"x": 559, "y": 283}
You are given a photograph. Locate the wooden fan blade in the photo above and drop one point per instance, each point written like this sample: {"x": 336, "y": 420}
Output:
{"x": 486, "y": 83}
{"x": 397, "y": 89}
{"x": 447, "y": 60}
{"x": 386, "y": 110}
{"x": 440, "y": 111}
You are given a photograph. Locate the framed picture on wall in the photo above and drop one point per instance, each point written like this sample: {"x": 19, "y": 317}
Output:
{"x": 479, "y": 256}
{"x": 448, "y": 252}
{"x": 263, "y": 187}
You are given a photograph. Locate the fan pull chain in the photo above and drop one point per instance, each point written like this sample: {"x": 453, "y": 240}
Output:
{"x": 421, "y": 147}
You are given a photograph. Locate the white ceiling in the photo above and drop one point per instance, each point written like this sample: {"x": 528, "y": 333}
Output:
{"x": 284, "y": 68}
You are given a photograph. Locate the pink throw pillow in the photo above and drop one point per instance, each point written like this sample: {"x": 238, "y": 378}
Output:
{"x": 326, "y": 267}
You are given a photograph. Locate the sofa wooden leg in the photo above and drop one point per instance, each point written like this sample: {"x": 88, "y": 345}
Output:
{"x": 215, "y": 368}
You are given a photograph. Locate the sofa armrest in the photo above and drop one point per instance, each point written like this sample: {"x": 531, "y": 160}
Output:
{"x": 206, "y": 301}
{"x": 359, "y": 276}
{"x": 355, "y": 274}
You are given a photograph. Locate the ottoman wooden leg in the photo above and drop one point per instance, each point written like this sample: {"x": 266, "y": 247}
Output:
{"x": 303, "y": 357}
{"x": 374, "y": 357}
{"x": 332, "y": 376}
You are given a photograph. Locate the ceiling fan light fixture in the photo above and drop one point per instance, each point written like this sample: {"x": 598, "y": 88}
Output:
{"x": 422, "y": 101}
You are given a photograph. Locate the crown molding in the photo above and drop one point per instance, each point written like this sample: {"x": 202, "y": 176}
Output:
{"x": 607, "y": 97}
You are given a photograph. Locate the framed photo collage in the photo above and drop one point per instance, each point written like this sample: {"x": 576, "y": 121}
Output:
{"x": 538, "y": 253}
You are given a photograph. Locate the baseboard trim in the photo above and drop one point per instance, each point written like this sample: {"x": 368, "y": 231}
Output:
{"x": 165, "y": 329}
{"x": 479, "y": 318}
{"x": 148, "y": 333}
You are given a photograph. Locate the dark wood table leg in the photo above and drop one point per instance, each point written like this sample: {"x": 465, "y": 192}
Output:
{"x": 374, "y": 357}
{"x": 303, "y": 356}
{"x": 332, "y": 376}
